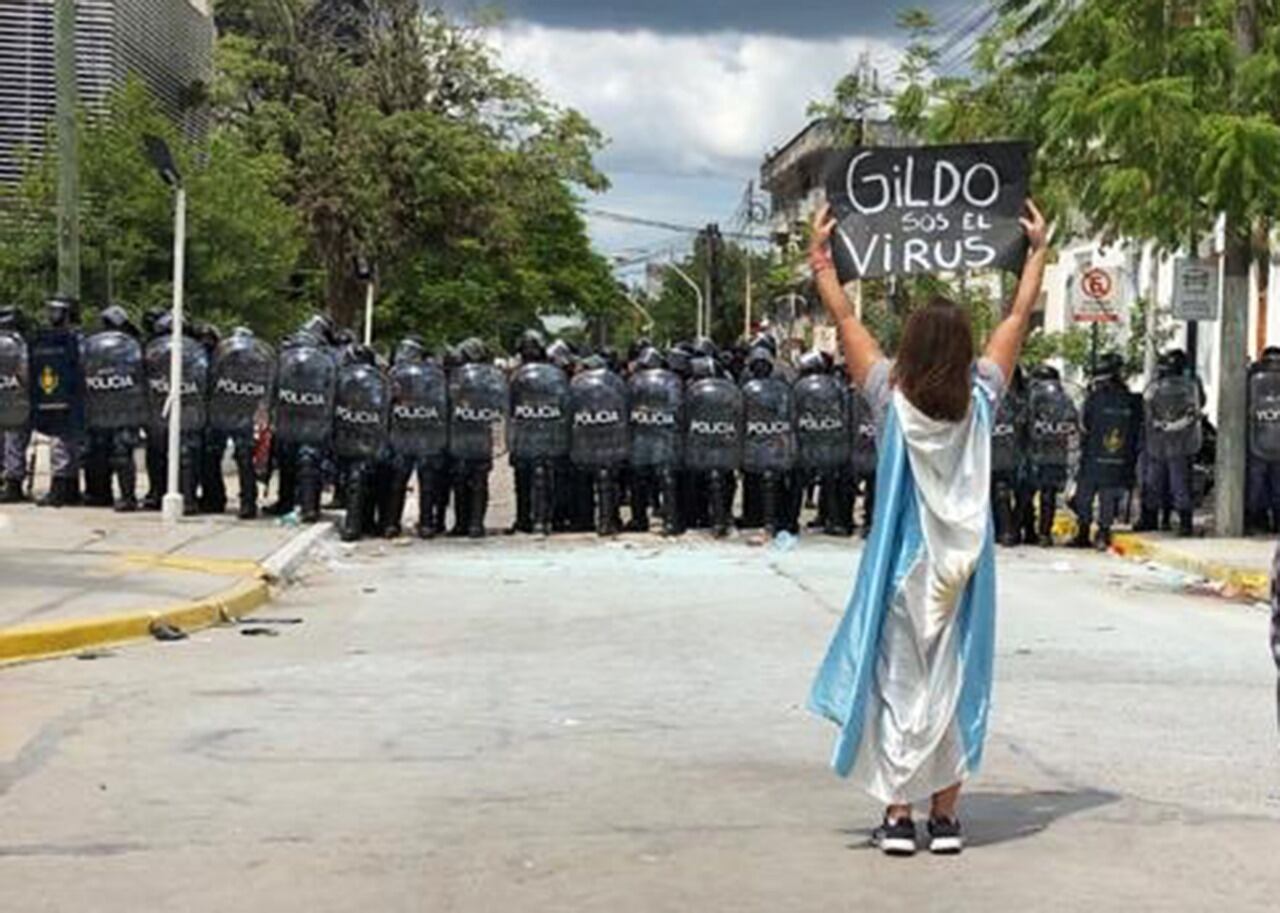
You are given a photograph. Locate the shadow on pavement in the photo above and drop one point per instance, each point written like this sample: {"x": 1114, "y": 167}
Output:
{"x": 991, "y": 818}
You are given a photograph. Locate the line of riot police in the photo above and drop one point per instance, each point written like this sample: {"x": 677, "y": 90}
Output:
{"x": 1159, "y": 442}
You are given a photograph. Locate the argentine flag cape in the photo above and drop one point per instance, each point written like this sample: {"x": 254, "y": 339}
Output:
{"x": 907, "y": 677}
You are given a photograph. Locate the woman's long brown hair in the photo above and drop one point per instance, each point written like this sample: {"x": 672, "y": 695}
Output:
{"x": 935, "y": 359}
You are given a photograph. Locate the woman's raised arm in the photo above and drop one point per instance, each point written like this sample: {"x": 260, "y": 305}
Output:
{"x": 861, "y": 350}
{"x": 1005, "y": 345}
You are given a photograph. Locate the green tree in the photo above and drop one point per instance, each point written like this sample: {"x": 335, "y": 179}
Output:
{"x": 243, "y": 242}
{"x": 408, "y": 144}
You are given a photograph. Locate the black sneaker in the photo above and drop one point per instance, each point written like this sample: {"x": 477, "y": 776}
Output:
{"x": 944, "y": 836}
{"x": 895, "y": 838}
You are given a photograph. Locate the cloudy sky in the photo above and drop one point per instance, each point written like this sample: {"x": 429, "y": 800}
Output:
{"x": 693, "y": 93}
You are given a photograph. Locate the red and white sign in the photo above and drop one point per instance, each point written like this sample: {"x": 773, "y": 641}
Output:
{"x": 1093, "y": 296}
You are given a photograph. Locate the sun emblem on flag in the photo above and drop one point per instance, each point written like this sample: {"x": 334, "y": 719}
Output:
{"x": 1113, "y": 442}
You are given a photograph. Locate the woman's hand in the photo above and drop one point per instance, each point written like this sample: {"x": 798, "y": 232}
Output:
{"x": 1034, "y": 225}
{"x": 820, "y": 259}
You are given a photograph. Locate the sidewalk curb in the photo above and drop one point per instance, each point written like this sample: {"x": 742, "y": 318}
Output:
{"x": 1254, "y": 583}
{"x": 283, "y": 563}
{"x": 46, "y": 640}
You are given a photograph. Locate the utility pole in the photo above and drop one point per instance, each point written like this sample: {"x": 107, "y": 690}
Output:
{"x": 64, "y": 63}
{"x": 1233, "y": 340}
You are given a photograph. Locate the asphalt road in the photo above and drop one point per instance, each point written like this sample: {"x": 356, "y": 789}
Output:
{"x": 578, "y": 725}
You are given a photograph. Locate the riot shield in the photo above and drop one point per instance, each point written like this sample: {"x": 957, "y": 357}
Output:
{"x": 305, "y": 381}
{"x": 242, "y": 376}
{"x": 598, "y": 406}
{"x": 478, "y": 402}
{"x": 1006, "y": 439}
{"x": 1173, "y": 418}
{"x": 1054, "y": 424}
{"x": 57, "y": 382}
{"x": 195, "y": 377}
{"x": 539, "y": 424}
{"x": 15, "y": 376}
{"x": 657, "y": 404}
{"x": 360, "y": 405}
{"x": 713, "y": 439}
{"x": 768, "y": 436}
{"x": 1264, "y": 416}
{"x": 114, "y": 382}
{"x": 419, "y": 409}
{"x": 822, "y": 418}
{"x": 864, "y": 456}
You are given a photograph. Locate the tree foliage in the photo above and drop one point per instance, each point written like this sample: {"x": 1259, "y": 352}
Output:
{"x": 340, "y": 128}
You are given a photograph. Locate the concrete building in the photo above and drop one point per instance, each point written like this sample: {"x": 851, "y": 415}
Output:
{"x": 168, "y": 44}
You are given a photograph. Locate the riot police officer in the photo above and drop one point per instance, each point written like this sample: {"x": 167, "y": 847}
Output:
{"x": 1008, "y": 443}
{"x": 864, "y": 457}
{"x": 769, "y": 440}
{"x": 823, "y": 440}
{"x": 538, "y": 433}
{"x": 419, "y": 436}
{"x": 600, "y": 438}
{"x": 1173, "y": 438}
{"x": 1109, "y": 454}
{"x": 478, "y": 401}
{"x": 306, "y": 376}
{"x": 361, "y": 404}
{"x": 115, "y": 404}
{"x": 57, "y": 397}
{"x": 193, "y": 402}
{"x": 657, "y": 441}
{"x": 1053, "y": 424}
{"x": 241, "y": 382}
{"x": 1264, "y": 442}
{"x": 15, "y": 404}
{"x": 713, "y": 441}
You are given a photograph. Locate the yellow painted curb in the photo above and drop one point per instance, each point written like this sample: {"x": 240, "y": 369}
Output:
{"x": 230, "y": 567}
{"x": 1254, "y": 584}
{"x": 41, "y": 641}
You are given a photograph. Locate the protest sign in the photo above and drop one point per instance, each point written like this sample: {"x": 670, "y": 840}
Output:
{"x": 932, "y": 209}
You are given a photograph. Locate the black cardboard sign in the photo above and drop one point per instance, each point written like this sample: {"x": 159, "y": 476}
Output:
{"x": 933, "y": 209}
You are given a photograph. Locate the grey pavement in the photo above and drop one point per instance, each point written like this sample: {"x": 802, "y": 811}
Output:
{"x": 577, "y": 725}
{"x": 70, "y": 563}
{"x": 1243, "y": 555}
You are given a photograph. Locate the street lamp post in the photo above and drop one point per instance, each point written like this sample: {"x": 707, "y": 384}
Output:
{"x": 158, "y": 152}
{"x": 364, "y": 272}
{"x": 697, "y": 291}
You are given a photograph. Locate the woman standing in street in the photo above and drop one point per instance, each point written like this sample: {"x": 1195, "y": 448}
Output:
{"x": 907, "y": 677}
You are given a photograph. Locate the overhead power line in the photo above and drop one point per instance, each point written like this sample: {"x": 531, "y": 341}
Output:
{"x": 627, "y": 219}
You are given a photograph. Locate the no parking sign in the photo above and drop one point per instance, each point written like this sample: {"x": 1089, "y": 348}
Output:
{"x": 1094, "y": 294}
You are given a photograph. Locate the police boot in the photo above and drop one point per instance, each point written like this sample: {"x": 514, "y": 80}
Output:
{"x": 479, "y": 504}
{"x": 607, "y": 500}
{"x": 671, "y": 523}
{"x": 461, "y": 506}
{"x": 641, "y": 487}
{"x": 716, "y": 504}
{"x": 308, "y": 493}
{"x": 56, "y": 496}
{"x": 248, "y": 482}
{"x": 524, "y": 499}
{"x": 127, "y": 479}
{"x": 393, "y": 505}
{"x": 1081, "y": 538}
{"x": 353, "y": 517}
{"x": 1166, "y": 520}
{"x": 1103, "y": 543}
{"x": 1186, "y": 524}
{"x": 541, "y": 499}
{"x": 769, "y": 504}
{"x": 1046, "y": 523}
{"x": 12, "y": 492}
{"x": 97, "y": 479}
{"x": 1006, "y": 531}
{"x": 1148, "y": 522}
{"x": 428, "y": 527}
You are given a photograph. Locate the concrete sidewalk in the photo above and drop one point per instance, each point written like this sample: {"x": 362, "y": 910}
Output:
{"x": 1238, "y": 568}
{"x": 79, "y": 577}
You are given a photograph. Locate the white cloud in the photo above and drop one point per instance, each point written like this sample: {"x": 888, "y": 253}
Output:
{"x": 700, "y": 104}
